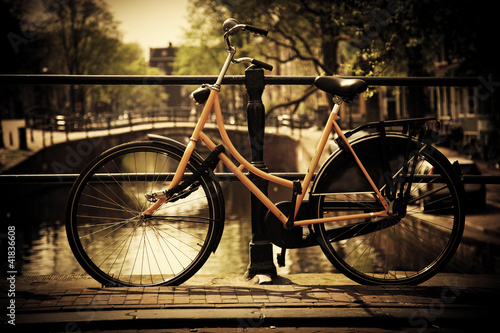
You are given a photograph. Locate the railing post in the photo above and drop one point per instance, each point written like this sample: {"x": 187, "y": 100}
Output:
{"x": 261, "y": 250}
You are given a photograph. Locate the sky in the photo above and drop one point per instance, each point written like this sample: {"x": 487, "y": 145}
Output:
{"x": 150, "y": 23}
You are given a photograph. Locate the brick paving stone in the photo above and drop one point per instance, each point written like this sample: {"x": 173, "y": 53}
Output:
{"x": 293, "y": 300}
{"x": 134, "y": 296}
{"x": 261, "y": 299}
{"x": 68, "y": 298}
{"x": 93, "y": 299}
{"x": 245, "y": 299}
{"x": 214, "y": 298}
{"x": 181, "y": 300}
{"x": 132, "y": 302}
{"x": 340, "y": 296}
{"x": 83, "y": 301}
{"x": 49, "y": 302}
{"x": 31, "y": 303}
{"x": 58, "y": 292}
{"x": 88, "y": 292}
{"x": 387, "y": 298}
{"x": 276, "y": 299}
{"x": 102, "y": 297}
{"x": 197, "y": 290}
{"x": 165, "y": 295}
{"x": 197, "y": 296}
{"x": 116, "y": 300}
{"x": 198, "y": 300}
{"x": 180, "y": 289}
{"x": 168, "y": 302}
{"x": 149, "y": 299}
{"x": 230, "y": 299}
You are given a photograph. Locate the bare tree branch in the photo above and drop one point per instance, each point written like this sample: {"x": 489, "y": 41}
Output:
{"x": 296, "y": 102}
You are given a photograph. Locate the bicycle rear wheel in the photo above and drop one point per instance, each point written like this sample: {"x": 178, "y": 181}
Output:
{"x": 408, "y": 248}
{"x": 111, "y": 239}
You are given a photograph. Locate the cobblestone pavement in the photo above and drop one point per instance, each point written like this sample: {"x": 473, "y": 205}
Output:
{"x": 72, "y": 303}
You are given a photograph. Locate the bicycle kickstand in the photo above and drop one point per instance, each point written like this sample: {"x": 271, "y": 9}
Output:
{"x": 280, "y": 257}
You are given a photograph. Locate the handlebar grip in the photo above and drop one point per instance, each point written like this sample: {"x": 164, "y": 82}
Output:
{"x": 262, "y": 64}
{"x": 256, "y": 30}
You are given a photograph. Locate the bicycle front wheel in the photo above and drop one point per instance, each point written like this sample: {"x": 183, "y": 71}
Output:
{"x": 407, "y": 248}
{"x": 111, "y": 239}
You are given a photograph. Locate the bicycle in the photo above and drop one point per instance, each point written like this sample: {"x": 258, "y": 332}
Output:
{"x": 151, "y": 212}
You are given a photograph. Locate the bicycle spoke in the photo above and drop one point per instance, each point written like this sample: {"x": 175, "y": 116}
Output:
{"x": 412, "y": 245}
{"x": 116, "y": 244}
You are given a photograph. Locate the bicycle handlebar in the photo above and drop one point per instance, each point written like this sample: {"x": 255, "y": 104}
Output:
{"x": 231, "y": 27}
{"x": 256, "y": 30}
{"x": 262, "y": 64}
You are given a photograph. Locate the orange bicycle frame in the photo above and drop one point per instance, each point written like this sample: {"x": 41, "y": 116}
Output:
{"x": 198, "y": 134}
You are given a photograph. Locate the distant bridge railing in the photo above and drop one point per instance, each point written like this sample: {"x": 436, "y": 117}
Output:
{"x": 107, "y": 120}
{"x": 42, "y": 79}
{"x": 70, "y": 123}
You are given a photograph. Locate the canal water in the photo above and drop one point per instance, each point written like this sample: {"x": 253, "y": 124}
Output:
{"x": 38, "y": 213}
{"x": 43, "y": 249}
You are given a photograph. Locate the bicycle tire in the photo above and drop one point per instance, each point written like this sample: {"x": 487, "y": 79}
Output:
{"x": 397, "y": 250}
{"x": 115, "y": 244}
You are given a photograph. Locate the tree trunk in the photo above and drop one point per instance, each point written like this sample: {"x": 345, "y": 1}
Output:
{"x": 418, "y": 103}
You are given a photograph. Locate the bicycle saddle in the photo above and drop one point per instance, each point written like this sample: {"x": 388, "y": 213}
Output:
{"x": 344, "y": 88}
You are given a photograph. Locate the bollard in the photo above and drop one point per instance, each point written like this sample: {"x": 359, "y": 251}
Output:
{"x": 261, "y": 249}
{"x": 23, "y": 143}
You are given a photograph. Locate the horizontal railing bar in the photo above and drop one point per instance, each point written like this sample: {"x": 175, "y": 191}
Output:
{"x": 467, "y": 179}
{"x": 106, "y": 177}
{"x": 380, "y": 81}
{"x": 234, "y": 79}
{"x": 223, "y": 176}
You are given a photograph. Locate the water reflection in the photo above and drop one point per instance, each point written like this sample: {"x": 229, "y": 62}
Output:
{"x": 43, "y": 249}
{"x": 43, "y": 246}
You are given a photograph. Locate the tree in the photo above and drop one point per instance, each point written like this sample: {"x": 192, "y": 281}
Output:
{"x": 71, "y": 37}
{"x": 87, "y": 35}
{"x": 311, "y": 32}
{"x": 203, "y": 52}
{"x": 128, "y": 60}
{"x": 378, "y": 37}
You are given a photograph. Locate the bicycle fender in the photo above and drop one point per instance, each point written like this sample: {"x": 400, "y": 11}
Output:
{"x": 175, "y": 143}
{"x": 341, "y": 174}
{"x": 215, "y": 181}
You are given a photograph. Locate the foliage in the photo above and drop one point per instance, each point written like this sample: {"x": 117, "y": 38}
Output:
{"x": 350, "y": 37}
{"x": 363, "y": 37}
{"x": 77, "y": 37}
{"x": 128, "y": 60}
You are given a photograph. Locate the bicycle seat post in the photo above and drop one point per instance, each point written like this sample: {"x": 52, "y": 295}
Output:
{"x": 261, "y": 250}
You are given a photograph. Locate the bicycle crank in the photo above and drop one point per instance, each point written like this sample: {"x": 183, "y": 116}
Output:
{"x": 294, "y": 238}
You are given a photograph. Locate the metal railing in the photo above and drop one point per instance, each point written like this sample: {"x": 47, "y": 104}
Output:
{"x": 230, "y": 79}
{"x": 69, "y": 178}
{"x": 62, "y": 79}
{"x": 261, "y": 257}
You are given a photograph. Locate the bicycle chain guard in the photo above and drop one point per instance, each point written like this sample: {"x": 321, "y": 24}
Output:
{"x": 291, "y": 238}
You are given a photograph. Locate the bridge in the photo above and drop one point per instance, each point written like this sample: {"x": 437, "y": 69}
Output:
{"x": 59, "y": 154}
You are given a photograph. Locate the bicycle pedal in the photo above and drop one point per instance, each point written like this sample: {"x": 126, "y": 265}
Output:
{"x": 305, "y": 232}
{"x": 154, "y": 196}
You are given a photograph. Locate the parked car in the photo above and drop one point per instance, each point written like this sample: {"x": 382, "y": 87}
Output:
{"x": 475, "y": 194}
